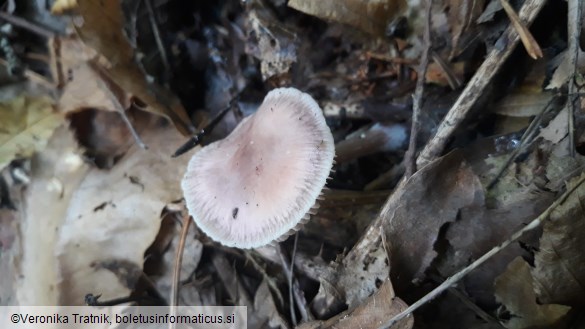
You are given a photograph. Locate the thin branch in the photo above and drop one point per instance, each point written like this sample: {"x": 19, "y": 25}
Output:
{"x": 174, "y": 299}
{"x": 161, "y": 47}
{"x": 23, "y": 23}
{"x": 107, "y": 87}
{"x": 527, "y": 138}
{"x": 530, "y": 44}
{"x": 179, "y": 260}
{"x": 299, "y": 298}
{"x": 289, "y": 279}
{"x": 418, "y": 93}
{"x": 574, "y": 31}
{"x": 478, "y": 83}
{"x": 459, "y": 275}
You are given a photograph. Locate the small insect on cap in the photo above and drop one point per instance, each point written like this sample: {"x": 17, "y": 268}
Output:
{"x": 258, "y": 184}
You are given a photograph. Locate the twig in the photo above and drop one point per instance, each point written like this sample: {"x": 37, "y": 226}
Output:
{"x": 418, "y": 93}
{"x": 196, "y": 139}
{"x": 288, "y": 274}
{"x": 289, "y": 279}
{"x": 179, "y": 260}
{"x": 17, "y": 21}
{"x": 454, "y": 81}
{"x": 296, "y": 291}
{"x": 476, "y": 309}
{"x": 574, "y": 31}
{"x": 463, "y": 298}
{"x": 174, "y": 300}
{"x": 459, "y": 275}
{"x": 108, "y": 88}
{"x": 525, "y": 141}
{"x": 161, "y": 47}
{"x": 478, "y": 83}
{"x": 530, "y": 44}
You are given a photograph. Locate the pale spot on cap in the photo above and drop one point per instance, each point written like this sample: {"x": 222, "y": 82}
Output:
{"x": 259, "y": 183}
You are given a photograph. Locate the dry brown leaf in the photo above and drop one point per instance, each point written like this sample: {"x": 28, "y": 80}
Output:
{"x": 523, "y": 103}
{"x": 25, "y": 126}
{"x": 477, "y": 231}
{"x": 557, "y": 128}
{"x": 559, "y": 269}
{"x": 115, "y": 215}
{"x": 443, "y": 187}
{"x": 436, "y": 74}
{"x": 371, "y": 16}
{"x": 84, "y": 86}
{"x": 514, "y": 289}
{"x": 528, "y": 98}
{"x": 102, "y": 30}
{"x": 372, "y": 313}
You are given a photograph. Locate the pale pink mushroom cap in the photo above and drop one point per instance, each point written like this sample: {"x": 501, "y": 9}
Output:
{"x": 258, "y": 184}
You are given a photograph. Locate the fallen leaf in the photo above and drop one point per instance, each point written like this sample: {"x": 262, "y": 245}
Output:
{"x": 26, "y": 125}
{"x": 372, "y": 313}
{"x": 273, "y": 45}
{"x": 566, "y": 69}
{"x": 444, "y": 188}
{"x": 114, "y": 216}
{"x": 559, "y": 264}
{"x": 436, "y": 74}
{"x": 371, "y": 16}
{"x": 477, "y": 231}
{"x": 490, "y": 10}
{"x": 361, "y": 281}
{"x": 84, "y": 86}
{"x": 557, "y": 128}
{"x": 514, "y": 289}
{"x": 56, "y": 174}
{"x": 265, "y": 308}
{"x": 527, "y": 98}
{"x": 523, "y": 103}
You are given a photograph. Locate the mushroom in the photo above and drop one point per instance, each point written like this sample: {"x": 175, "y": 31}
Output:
{"x": 258, "y": 184}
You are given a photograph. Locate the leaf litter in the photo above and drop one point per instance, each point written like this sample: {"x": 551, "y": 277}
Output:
{"x": 111, "y": 209}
